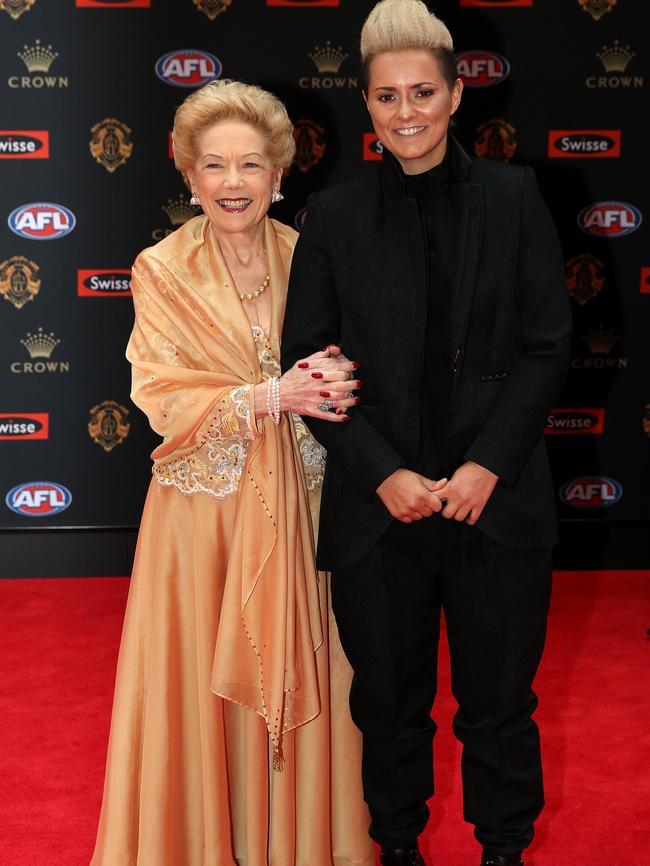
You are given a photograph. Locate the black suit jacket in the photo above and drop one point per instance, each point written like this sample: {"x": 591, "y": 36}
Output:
{"x": 358, "y": 278}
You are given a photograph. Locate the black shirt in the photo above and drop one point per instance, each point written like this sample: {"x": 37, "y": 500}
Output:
{"x": 432, "y": 192}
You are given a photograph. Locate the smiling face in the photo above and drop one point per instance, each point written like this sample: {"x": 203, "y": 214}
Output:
{"x": 233, "y": 176}
{"x": 410, "y": 104}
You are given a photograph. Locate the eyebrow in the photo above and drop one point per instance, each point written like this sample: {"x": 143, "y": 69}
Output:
{"x": 218, "y": 156}
{"x": 411, "y": 86}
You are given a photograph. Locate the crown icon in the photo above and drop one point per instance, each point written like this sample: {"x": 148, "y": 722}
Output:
{"x": 38, "y": 57}
{"x": 616, "y": 57}
{"x": 600, "y": 340}
{"x": 179, "y": 210}
{"x": 40, "y": 345}
{"x": 328, "y": 59}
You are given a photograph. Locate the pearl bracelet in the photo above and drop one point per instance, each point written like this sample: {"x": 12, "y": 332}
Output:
{"x": 273, "y": 399}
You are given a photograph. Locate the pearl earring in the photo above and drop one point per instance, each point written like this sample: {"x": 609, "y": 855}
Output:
{"x": 195, "y": 200}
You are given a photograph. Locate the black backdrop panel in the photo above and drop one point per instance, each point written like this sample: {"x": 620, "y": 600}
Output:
{"x": 88, "y": 94}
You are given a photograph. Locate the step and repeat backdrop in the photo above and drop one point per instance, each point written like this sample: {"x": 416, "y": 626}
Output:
{"x": 88, "y": 91}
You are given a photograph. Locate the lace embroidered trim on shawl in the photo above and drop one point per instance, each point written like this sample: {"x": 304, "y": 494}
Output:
{"x": 217, "y": 463}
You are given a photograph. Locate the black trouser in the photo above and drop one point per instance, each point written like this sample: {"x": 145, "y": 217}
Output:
{"x": 495, "y": 601}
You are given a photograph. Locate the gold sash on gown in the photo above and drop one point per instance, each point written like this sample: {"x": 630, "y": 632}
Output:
{"x": 188, "y": 308}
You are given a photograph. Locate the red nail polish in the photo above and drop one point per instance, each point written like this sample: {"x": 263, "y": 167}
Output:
{"x": 324, "y": 393}
{"x": 358, "y": 400}
{"x": 304, "y": 365}
{"x": 347, "y": 418}
{"x": 317, "y": 375}
{"x": 339, "y": 411}
{"x": 325, "y": 348}
{"x": 360, "y": 384}
{"x": 355, "y": 365}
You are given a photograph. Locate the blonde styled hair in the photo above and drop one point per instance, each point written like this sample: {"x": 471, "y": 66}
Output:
{"x": 398, "y": 25}
{"x": 232, "y": 100}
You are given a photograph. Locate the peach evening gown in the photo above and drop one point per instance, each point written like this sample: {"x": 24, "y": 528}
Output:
{"x": 231, "y": 740}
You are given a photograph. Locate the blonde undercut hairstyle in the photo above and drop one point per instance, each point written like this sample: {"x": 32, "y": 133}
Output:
{"x": 398, "y": 25}
{"x": 232, "y": 100}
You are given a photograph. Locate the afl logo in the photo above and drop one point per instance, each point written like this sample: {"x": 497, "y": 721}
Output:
{"x": 592, "y": 491}
{"x": 188, "y": 67}
{"x": 481, "y": 68}
{"x": 41, "y": 221}
{"x": 107, "y": 4}
{"x": 38, "y": 498}
{"x": 610, "y": 219}
{"x": 502, "y": 3}
{"x": 302, "y": 2}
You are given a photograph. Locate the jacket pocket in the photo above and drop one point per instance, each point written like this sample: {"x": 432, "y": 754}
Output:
{"x": 495, "y": 376}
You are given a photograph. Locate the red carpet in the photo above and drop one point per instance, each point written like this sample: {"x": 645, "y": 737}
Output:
{"x": 58, "y": 645}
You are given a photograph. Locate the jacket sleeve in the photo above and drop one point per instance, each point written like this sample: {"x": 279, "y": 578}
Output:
{"x": 543, "y": 327}
{"x": 313, "y": 320}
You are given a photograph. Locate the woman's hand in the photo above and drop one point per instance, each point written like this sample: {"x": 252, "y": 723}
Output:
{"x": 467, "y": 492}
{"x": 410, "y": 496}
{"x": 321, "y": 378}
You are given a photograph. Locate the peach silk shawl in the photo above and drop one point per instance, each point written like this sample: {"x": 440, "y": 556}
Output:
{"x": 192, "y": 344}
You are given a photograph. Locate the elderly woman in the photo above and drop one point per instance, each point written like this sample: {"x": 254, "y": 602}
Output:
{"x": 444, "y": 277}
{"x": 230, "y": 741}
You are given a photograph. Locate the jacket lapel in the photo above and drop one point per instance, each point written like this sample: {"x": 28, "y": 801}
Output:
{"x": 467, "y": 222}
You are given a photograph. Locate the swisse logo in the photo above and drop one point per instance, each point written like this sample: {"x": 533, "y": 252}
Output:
{"x": 41, "y": 221}
{"x": 575, "y": 422}
{"x": 499, "y": 3}
{"x": 113, "y": 4}
{"x": 610, "y": 219}
{"x": 188, "y": 67}
{"x": 481, "y": 68}
{"x": 645, "y": 281}
{"x": 373, "y": 149}
{"x": 19, "y": 426}
{"x": 582, "y": 143}
{"x": 305, "y": 3}
{"x": 24, "y": 144}
{"x": 591, "y": 491}
{"x": 96, "y": 283}
{"x": 38, "y": 498}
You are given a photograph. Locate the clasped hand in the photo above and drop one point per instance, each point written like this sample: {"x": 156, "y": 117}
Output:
{"x": 323, "y": 376}
{"x": 409, "y": 496}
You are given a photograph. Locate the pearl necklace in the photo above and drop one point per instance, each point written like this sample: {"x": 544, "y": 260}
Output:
{"x": 250, "y": 296}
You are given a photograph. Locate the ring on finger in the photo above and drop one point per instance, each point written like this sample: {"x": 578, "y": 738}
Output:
{"x": 326, "y": 405}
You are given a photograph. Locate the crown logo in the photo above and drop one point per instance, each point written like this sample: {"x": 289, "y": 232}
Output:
{"x": 179, "y": 210}
{"x": 600, "y": 340}
{"x": 38, "y": 57}
{"x": 40, "y": 345}
{"x": 616, "y": 57}
{"x": 328, "y": 59}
